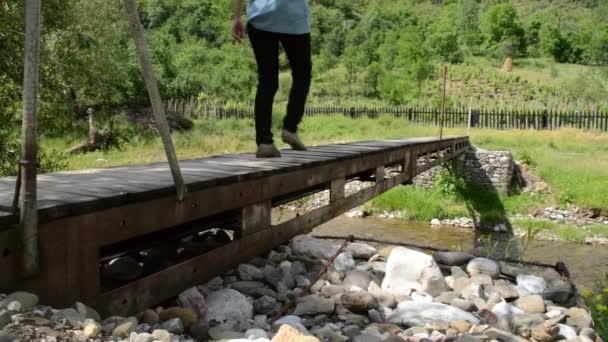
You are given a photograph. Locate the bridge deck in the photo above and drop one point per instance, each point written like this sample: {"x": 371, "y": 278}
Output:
{"x": 83, "y": 212}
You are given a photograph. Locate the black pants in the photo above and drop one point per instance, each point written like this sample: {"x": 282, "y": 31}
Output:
{"x": 266, "y": 49}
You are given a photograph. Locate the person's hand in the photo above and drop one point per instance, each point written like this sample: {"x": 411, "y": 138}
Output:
{"x": 238, "y": 30}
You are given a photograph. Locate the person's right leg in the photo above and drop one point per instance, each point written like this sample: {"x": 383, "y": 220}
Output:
{"x": 266, "y": 49}
{"x": 297, "y": 49}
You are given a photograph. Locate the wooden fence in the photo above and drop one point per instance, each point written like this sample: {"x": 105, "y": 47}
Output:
{"x": 480, "y": 118}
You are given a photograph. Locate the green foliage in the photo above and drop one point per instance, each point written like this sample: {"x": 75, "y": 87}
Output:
{"x": 525, "y": 158}
{"x": 448, "y": 184}
{"x": 598, "y": 304}
{"x": 502, "y": 29}
{"x": 565, "y": 199}
{"x": 531, "y": 230}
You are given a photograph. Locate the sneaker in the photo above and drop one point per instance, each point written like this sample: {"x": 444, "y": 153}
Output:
{"x": 267, "y": 151}
{"x": 293, "y": 140}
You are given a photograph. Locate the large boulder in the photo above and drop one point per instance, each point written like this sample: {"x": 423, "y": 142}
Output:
{"x": 419, "y": 314}
{"x": 228, "y": 305}
{"x": 306, "y": 245}
{"x": 408, "y": 270}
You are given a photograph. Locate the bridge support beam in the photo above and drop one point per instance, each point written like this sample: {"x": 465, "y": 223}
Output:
{"x": 256, "y": 218}
{"x": 336, "y": 190}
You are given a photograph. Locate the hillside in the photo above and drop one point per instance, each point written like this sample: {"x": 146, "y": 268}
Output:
{"x": 379, "y": 51}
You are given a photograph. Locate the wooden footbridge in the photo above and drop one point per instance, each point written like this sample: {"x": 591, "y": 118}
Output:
{"x": 88, "y": 217}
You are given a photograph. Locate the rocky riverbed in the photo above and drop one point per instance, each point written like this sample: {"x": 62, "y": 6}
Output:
{"x": 368, "y": 294}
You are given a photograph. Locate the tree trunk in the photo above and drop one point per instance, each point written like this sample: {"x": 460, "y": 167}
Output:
{"x": 29, "y": 163}
{"x": 157, "y": 103}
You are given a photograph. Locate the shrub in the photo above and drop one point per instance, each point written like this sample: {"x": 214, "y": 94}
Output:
{"x": 598, "y": 304}
{"x": 526, "y": 159}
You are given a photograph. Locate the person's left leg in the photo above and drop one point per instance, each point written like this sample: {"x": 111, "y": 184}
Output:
{"x": 297, "y": 49}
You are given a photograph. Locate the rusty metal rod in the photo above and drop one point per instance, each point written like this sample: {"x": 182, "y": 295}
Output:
{"x": 290, "y": 304}
{"x": 559, "y": 266}
{"x": 157, "y": 104}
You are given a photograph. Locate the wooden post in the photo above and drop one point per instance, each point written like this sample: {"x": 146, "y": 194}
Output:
{"x": 445, "y": 76}
{"x": 336, "y": 191}
{"x": 29, "y": 148}
{"x": 470, "y": 114}
{"x": 157, "y": 105}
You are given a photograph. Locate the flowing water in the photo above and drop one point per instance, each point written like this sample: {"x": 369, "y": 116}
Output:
{"x": 587, "y": 264}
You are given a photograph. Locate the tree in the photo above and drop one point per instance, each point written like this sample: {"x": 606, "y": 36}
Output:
{"x": 500, "y": 24}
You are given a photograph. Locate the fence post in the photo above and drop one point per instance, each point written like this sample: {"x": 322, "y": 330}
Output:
{"x": 545, "y": 119}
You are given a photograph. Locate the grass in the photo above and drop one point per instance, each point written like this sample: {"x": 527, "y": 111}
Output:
{"x": 564, "y": 232}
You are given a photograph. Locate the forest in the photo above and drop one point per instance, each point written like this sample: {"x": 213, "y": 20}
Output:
{"x": 364, "y": 51}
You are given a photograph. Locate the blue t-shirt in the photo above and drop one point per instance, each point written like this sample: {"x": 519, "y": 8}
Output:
{"x": 280, "y": 16}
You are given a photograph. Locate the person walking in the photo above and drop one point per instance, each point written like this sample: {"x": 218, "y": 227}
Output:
{"x": 270, "y": 23}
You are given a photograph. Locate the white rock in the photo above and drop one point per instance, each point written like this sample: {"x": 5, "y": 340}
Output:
{"x": 435, "y": 222}
{"x": 567, "y": 332}
{"x": 314, "y": 248}
{"x": 483, "y": 266}
{"x": 407, "y": 269}
{"x": 532, "y": 284}
{"x": 419, "y": 314}
{"x": 14, "y": 306}
{"x": 421, "y": 297}
{"x": 254, "y": 334}
{"x": 506, "y": 309}
{"x": 229, "y": 305}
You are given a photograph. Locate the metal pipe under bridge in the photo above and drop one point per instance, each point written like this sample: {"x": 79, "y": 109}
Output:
{"x": 92, "y": 216}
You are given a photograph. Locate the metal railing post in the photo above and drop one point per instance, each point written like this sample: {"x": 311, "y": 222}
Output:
{"x": 152, "y": 86}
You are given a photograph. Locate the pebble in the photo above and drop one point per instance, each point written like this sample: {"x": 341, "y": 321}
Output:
{"x": 359, "y": 302}
{"x": 149, "y": 316}
{"x": 531, "y": 304}
{"x": 483, "y": 266}
{"x": 5, "y": 319}
{"x": 186, "y": 315}
{"x": 173, "y": 325}
{"x": 124, "y": 329}
{"x": 162, "y": 335}
{"x": 91, "y": 329}
{"x": 532, "y": 284}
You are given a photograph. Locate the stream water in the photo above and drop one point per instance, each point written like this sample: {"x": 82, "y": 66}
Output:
{"x": 587, "y": 264}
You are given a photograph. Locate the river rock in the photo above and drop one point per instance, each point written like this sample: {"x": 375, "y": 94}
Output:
{"x": 361, "y": 250}
{"x": 504, "y": 289}
{"x": 26, "y": 299}
{"x": 143, "y": 328}
{"x": 567, "y": 332}
{"x": 482, "y": 279}
{"x": 532, "y": 284}
{"x": 228, "y": 305}
{"x": 506, "y": 309}
{"x": 186, "y": 315}
{"x": 73, "y": 317}
{"x": 579, "y": 318}
{"x": 561, "y": 294}
{"x": 407, "y": 269}
{"x": 344, "y": 262}
{"x": 463, "y": 304}
{"x": 458, "y": 272}
{"x": 544, "y": 333}
{"x": 357, "y": 280}
{"x": 173, "y": 325}
{"x": 483, "y": 266}
{"x": 359, "y": 302}
{"x": 124, "y": 329}
{"x": 446, "y": 297}
{"x": 289, "y": 334}
{"x": 523, "y": 324}
{"x": 6, "y": 337}
{"x": 162, "y": 335}
{"x": 5, "y": 318}
{"x": 419, "y": 314}
{"x": 291, "y": 320}
{"x": 149, "y": 316}
{"x": 87, "y": 311}
{"x": 461, "y": 326}
{"x": 281, "y": 279}
{"x": 266, "y": 305}
{"x": 588, "y": 333}
{"x": 314, "y": 248}
{"x": 503, "y": 336}
{"x": 384, "y": 298}
{"x": 531, "y": 304}
{"x": 314, "y": 305}
{"x": 249, "y": 272}
{"x": 453, "y": 258}
{"x": 192, "y": 298}
{"x": 91, "y": 328}
{"x": 330, "y": 290}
